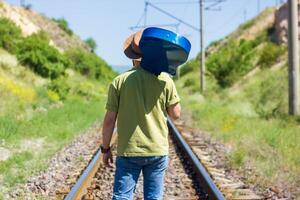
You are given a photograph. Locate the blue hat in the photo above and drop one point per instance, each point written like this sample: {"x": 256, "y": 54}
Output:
{"x": 163, "y": 50}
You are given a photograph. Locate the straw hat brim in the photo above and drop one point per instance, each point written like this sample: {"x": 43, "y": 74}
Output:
{"x": 131, "y": 46}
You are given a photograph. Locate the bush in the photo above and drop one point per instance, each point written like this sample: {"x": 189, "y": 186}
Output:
{"x": 91, "y": 43}
{"x": 89, "y": 64}
{"x": 272, "y": 93}
{"x": 189, "y": 82}
{"x": 43, "y": 59}
{"x": 270, "y": 54}
{"x": 67, "y": 88}
{"x": 247, "y": 24}
{"x": 88, "y": 90}
{"x": 189, "y": 67}
{"x": 10, "y": 35}
{"x": 60, "y": 86}
{"x": 214, "y": 43}
{"x": 27, "y": 6}
{"x": 64, "y": 25}
{"x": 53, "y": 96}
{"x": 232, "y": 61}
{"x": 237, "y": 157}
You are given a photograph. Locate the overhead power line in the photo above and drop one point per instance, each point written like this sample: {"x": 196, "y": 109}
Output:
{"x": 172, "y": 16}
{"x": 177, "y": 2}
{"x": 184, "y": 2}
{"x": 230, "y": 19}
{"x": 213, "y": 6}
{"x": 161, "y": 25}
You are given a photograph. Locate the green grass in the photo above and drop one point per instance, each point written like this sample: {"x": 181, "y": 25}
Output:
{"x": 46, "y": 103}
{"x": 55, "y": 127}
{"x": 32, "y": 127}
{"x": 14, "y": 170}
{"x": 56, "y": 124}
{"x": 251, "y": 117}
{"x": 255, "y": 138}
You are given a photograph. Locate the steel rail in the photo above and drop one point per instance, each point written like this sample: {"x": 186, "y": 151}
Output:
{"x": 80, "y": 188}
{"x": 76, "y": 190}
{"x": 207, "y": 183}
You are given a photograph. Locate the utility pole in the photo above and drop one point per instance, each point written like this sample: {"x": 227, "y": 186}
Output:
{"x": 22, "y": 3}
{"x": 245, "y": 15}
{"x": 212, "y": 6}
{"x": 202, "y": 57}
{"x": 294, "y": 87}
{"x": 145, "y": 13}
{"x": 258, "y": 6}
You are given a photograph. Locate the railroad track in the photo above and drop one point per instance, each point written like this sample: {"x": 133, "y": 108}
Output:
{"x": 187, "y": 177}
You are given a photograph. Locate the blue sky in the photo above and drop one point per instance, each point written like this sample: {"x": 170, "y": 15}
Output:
{"x": 108, "y": 21}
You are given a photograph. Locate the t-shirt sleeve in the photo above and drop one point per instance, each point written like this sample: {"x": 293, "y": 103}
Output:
{"x": 112, "y": 103}
{"x": 172, "y": 96}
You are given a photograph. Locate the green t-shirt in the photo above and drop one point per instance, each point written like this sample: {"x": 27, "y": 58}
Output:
{"x": 141, "y": 100}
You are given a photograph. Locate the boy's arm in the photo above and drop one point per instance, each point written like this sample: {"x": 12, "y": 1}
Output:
{"x": 172, "y": 105}
{"x": 174, "y": 111}
{"x": 107, "y": 131}
{"x": 108, "y": 128}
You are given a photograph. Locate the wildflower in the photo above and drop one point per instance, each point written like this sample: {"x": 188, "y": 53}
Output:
{"x": 53, "y": 96}
{"x": 25, "y": 93}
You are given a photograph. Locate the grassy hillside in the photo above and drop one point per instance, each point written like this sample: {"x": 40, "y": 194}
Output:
{"x": 61, "y": 36}
{"x": 245, "y": 104}
{"x": 49, "y": 93}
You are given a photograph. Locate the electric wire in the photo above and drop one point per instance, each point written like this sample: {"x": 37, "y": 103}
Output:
{"x": 230, "y": 20}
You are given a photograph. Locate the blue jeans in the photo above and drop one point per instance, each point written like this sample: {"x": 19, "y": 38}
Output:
{"x": 127, "y": 173}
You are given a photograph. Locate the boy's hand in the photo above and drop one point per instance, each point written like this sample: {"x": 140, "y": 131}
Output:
{"x": 107, "y": 159}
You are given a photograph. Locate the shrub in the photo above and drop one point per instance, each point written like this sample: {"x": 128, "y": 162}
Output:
{"x": 64, "y": 25}
{"x": 43, "y": 59}
{"x": 67, "y": 88}
{"x": 189, "y": 67}
{"x": 189, "y": 82}
{"x": 88, "y": 64}
{"x": 232, "y": 61}
{"x": 247, "y": 24}
{"x": 237, "y": 157}
{"x": 214, "y": 43}
{"x": 10, "y": 35}
{"x": 88, "y": 90}
{"x": 60, "y": 86}
{"x": 91, "y": 43}
{"x": 27, "y": 6}
{"x": 270, "y": 54}
{"x": 272, "y": 101}
{"x": 53, "y": 96}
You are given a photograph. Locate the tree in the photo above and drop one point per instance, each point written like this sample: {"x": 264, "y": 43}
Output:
{"x": 91, "y": 43}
